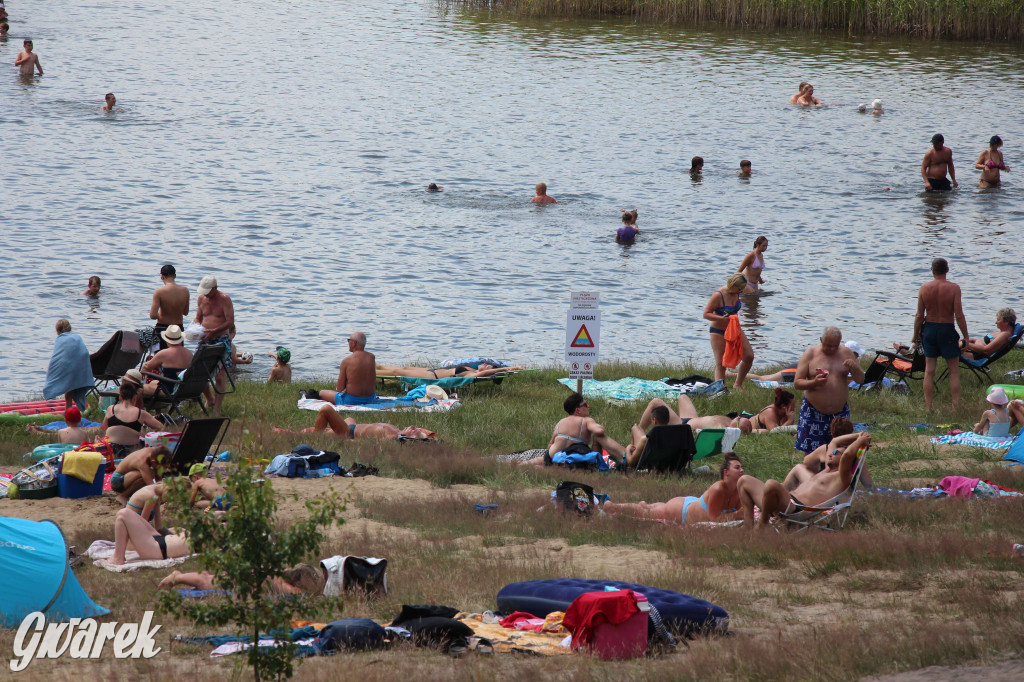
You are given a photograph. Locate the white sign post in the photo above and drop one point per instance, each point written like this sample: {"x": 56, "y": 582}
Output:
{"x": 582, "y": 336}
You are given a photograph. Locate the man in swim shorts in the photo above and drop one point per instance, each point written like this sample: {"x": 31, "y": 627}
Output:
{"x": 938, "y": 304}
{"x": 937, "y": 161}
{"x": 217, "y": 315}
{"x": 823, "y": 374}
{"x": 170, "y": 303}
{"x": 658, "y": 413}
{"x": 357, "y": 376}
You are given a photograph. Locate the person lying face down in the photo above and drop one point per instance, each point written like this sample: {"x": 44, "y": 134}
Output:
{"x": 302, "y": 579}
{"x": 329, "y": 421}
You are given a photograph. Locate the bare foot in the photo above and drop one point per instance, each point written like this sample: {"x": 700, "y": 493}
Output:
{"x": 168, "y": 582}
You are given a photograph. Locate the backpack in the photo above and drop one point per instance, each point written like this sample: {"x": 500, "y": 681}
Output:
{"x": 577, "y": 497}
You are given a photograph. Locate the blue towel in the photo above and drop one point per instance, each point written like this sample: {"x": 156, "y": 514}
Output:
{"x": 589, "y": 458}
{"x": 54, "y": 426}
{"x": 70, "y": 370}
{"x": 443, "y": 382}
{"x": 199, "y": 594}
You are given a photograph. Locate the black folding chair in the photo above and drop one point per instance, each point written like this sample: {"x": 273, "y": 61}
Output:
{"x": 979, "y": 367}
{"x": 206, "y": 362}
{"x": 120, "y": 353}
{"x": 901, "y": 366}
{"x": 195, "y": 443}
{"x": 669, "y": 448}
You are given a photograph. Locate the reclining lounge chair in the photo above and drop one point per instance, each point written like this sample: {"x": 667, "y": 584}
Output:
{"x": 828, "y": 515}
{"x": 979, "y": 367}
{"x": 206, "y": 362}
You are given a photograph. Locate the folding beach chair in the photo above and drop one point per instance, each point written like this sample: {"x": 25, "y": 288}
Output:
{"x": 195, "y": 444}
{"x": 206, "y": 362}
{"x": 980, "y": 366}
{"x": 901, "y": 366}
{"x": 669, "y": 448}
{"x": 828, "y": 515}
{"x": 711, "y": 442}
{"x": 120, "y": 353}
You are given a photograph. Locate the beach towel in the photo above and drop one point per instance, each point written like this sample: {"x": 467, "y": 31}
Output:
{"x": 771, "y": 384}
{"x": 70, "y": 369}
{"x": 201, "y": 594}
{"x": 390, "y": 404}
{"x": 733, "y": 343}
{"x": 522, "y": 456}
{"x": 56, "y": 426}
{"x": 443, "y": 382}
{"x": 974, "y": 440}
{"x": 82, "y": 465}
{"x": 102, "y": 550}
{"x": 473, "y": 362}
{"x": 626, "y": 388}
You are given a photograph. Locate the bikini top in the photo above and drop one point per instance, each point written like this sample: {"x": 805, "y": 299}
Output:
{"x": 757, "y": 263}
{"x": 728, "y": 309}
{"x": 112, "y": 420}
{"x": 573, "y": 439}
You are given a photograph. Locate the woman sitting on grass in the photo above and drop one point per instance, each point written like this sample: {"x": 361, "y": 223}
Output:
{"x": 484, "y": 370}
{"x": 720, "y": 502}
{"x": 303, "y": 579}
{"x": 995, "y": 423}
{"x": 782, "y": 412}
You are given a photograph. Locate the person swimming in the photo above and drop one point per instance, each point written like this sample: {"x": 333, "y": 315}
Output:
{"x": 628, "y": 232}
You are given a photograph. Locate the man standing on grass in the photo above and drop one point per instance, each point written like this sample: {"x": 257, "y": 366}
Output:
{"x": 823, "y": 374}
{"x": 938, "y": 304}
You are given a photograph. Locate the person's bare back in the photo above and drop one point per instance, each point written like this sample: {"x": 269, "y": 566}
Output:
{"x": 358, "y": 376}
{"x": 570, "y": 430}
{"x": 939, "y": 298}
{"x": 170, "y": 303}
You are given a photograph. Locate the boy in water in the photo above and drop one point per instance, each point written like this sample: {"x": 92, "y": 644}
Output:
{"x": 110, "y": 101}
{"x": 282, "y": 371}
{"x": 745, "y": 169}
{"x": 27, "y": 60}
{"x": 94, "y": 287}
{"x": 542, "y": 195}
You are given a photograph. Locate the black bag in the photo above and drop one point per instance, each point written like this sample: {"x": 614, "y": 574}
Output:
{"x": 360, "y": 574}
{"x": 412, "y": 611}
{"x": 351, "y": 633}
{"x": 577, "y": 497}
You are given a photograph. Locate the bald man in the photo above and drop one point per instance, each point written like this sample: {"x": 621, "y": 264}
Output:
{"x": 823, "y": 374}
{"x": 357, "y": 377}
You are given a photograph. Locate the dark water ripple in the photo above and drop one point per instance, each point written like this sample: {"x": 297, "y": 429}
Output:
{"x": 285, "y": 148}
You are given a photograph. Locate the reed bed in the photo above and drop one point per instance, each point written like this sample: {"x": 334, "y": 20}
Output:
{"x": 954, "y": 19}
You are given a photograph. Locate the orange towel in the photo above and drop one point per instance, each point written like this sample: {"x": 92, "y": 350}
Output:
{"x": 733, "y": 343}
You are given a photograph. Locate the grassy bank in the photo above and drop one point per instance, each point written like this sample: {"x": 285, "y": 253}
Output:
{"x": 956, "y": 19}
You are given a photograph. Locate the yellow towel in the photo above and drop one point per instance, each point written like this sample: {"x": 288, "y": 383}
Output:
{"x": 82, "y": 465}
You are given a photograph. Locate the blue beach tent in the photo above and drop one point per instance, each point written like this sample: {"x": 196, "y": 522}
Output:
{"x": 35, "y": 576}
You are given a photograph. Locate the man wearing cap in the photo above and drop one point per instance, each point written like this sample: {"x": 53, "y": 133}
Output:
{"x": 938, "y": 305}
{"x": 170, "y": 303}
{"x": 282, "y": 371}
{"x": 937, "y": 161}
{"x": 357, "y": 376}
{"x": 170, "y": 362}
{"x": 217, "y": 315}
{"x": 823, "y": 374}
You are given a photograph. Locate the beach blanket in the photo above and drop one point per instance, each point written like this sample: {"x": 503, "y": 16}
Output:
{"x": 201, "y": 594}
{"x": 523, "y": 456}
{"x": 102, "y": 550}
{"x": 389, "y": 404}
{"x": 443, "y": 382}
{"x": 473, "y": 362}
{"x": 54, "y": 426}
{"x": 771, "y": 384}
{"x": 506, "y": 640}
{"x": 70, "y": 369}
{"x": 627, "y": 388}
{"x": 974, "y": 440}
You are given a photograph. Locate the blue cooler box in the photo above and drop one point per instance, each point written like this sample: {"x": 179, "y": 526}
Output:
{"x": 69, "y": 486}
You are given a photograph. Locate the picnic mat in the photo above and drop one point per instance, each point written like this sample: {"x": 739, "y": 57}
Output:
{"x": 626, "y": 388}
{"x": 102, "y": 550}
{"x": 974, "y": 440}
{"x": 383, "y": 404}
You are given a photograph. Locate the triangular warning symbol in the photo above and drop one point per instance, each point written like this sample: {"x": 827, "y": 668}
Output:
{"x": 582, "y": 339}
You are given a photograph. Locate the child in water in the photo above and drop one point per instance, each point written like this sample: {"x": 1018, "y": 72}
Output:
{"x": 628, "y": 232}
{"x": 94, "y": 287}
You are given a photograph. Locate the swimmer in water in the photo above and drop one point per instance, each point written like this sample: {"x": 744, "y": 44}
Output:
{"x": 990, "y": 162}
{"x": 807, "y": 98}
{"x": 753, "y": 265}
{"x": 697, "y": 166}
{"x": 628, "y": 232}
{"x": 94, "y": 287}
{"x": 800, "y": 90}
{"x": 110, "y": 101}
{"x": 432, "y": 187}
{"x": 542, "y": 196}
{"x": 745, "y": 169}
{"x": 27, "y": 59}
{"x": 875, "y": 108}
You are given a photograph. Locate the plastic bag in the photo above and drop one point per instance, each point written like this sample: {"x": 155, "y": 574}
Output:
{"x": 194, "y": 331}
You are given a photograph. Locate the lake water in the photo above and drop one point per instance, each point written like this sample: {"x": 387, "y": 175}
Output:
{"x": 285, "y": 147}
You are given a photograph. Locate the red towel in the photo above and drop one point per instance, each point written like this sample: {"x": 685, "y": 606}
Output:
{"x": 733, "y": 343}
{"x": 591, "y": 609}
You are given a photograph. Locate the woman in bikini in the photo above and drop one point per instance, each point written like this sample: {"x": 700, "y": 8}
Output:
{"x": 782, "y": 412}
{"x": 131, "y": 531}
{"x": 990, "y": 162}
{"x": 753, "y": 265}
{"x": 123, "y": 421}
{"x": 484, "y": 370}
{"x": 723, "y": 303}
{"x": 720, "y": 502}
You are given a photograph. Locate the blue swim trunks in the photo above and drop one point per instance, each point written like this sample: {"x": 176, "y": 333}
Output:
{"x": 940, "y": 338}
{"x": 224, "y": 340}
{"x": 221, "y": 503}
{"x": 117, "y": 482}
{"x": 814, "y": 428}
{"x": 343, "y": 398}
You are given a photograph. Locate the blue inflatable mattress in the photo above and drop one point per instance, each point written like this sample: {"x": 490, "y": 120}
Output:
{"x": 680, "y": 612}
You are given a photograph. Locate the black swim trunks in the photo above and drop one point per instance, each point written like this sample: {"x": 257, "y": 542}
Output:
{"x": 940, "y": 338}
{"x": 940, "y": 184}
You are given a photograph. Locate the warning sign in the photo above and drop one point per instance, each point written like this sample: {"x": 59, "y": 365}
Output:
{"x": 582, "y": 334}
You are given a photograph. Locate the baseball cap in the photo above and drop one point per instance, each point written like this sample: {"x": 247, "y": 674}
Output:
{"x": 197, "y": 468}
{"x": 207, "y": 284}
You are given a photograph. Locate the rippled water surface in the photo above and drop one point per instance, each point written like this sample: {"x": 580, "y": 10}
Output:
{"x": 285, "y": 148}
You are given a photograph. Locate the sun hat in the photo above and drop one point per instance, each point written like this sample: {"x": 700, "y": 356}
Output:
{"x": 284, "y": 355}
{"x": 436, "y": 392}
{"x": 134, "y": 376}
{"x": 876, "y": 104}
{"x": 172, "y": 335}
{"x": 72, "y": 416}
{"x": 855, "y": 347}
{"x": 207, "y": 284}
{"x": 197, "y": 468}
{"x": 997, "y": 396}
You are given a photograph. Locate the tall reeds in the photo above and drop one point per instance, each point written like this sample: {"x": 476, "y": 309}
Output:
{"x": 956, "y": 19}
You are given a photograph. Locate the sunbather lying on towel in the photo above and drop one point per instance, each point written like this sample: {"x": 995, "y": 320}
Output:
{"x": 720, "y": 502}
{"x": 302, "y": 579}
{"x": 688, "y": 415}
{"x": 131, "y": 531}
{"x": 328, "y": 420}
{"x": 773, "y": 498}
{"x": 484, "y": 370}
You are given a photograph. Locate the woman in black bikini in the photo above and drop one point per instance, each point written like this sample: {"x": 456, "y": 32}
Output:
{"x": 723, "y": 303}
{"x": 123, "y": 421}
{"x": 442, "y": 372}
{"x": 781, "y": 412}
{"x": 146, "y": 540}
